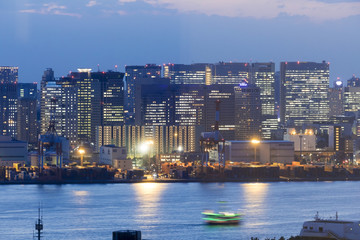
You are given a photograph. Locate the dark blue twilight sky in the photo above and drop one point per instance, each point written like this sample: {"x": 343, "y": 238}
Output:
{"x": 68, "y": 34}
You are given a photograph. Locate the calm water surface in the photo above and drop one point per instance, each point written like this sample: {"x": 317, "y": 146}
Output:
{"x": 171, "y": 210}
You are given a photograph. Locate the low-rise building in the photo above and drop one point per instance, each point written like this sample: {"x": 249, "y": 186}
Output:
{"x": 259, "y": 151}
{"x": 12, "y": 151}
{"x": 115, "y": 156}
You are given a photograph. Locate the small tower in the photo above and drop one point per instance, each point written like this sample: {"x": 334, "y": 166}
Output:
{"x": 39, "y": 227}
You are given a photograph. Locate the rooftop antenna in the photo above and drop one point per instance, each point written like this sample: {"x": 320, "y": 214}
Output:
{"x": 98, "y": 67}
{"x": 116, "y": 68}
{"x": 39, "y": 226}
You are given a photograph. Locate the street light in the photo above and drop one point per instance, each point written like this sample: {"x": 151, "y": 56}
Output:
{"x": 255, "y": 142}
{"x": 82, "y": 152}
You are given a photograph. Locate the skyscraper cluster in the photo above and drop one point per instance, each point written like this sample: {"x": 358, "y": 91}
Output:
{"x": 173, "y": 103}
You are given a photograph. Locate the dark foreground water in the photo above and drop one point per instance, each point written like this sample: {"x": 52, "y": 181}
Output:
{"x": 171, "y": 210}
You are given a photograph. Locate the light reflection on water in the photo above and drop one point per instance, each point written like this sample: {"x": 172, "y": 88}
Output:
{"x": 148, "y": 196}
{"x": 171, "y": 210}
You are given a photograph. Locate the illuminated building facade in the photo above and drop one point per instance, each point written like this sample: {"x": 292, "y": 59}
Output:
{"x": 157, "y": 105}
{"x": 247, "y": 112}
{"x": 198, "y": 73}
{"x": 161, "y": 139}
{"x": 263, "y": 76}
{"x": 269, "y": 125}
{"x": 84, "y": 100}
{"x": 206, "y": 73}
{"x": 8, "y": 106}
{"x": 189, "y": 104}
{"x": 100, "y": 101}
{"x": 351, "y": 99}
{"x": 8, "y": 74}
{"x": 48, "y": 90}
{"x": 68, "y": 124}
{"x": 134, "y": 74}
{"x": 303, "y": 141}
{"x": 230, "y": 73}
{"x": 304, "y": 92}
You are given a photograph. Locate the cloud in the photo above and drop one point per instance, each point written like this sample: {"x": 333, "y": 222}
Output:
{"x": 91, "y": 3}
{"x": 263, "y": 9}
{"x": 51, "y": 9}
{"x": 125, "y": 1}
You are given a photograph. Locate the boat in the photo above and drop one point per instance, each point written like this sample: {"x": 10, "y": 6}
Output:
{"x": 221, "y": 218}
{"x": 326, "y": 229}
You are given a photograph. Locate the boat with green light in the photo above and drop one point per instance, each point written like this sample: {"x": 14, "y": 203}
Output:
{"x": 221, "y": 218}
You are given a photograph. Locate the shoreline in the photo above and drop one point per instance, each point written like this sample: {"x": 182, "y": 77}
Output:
{"x": 281, "y": 179}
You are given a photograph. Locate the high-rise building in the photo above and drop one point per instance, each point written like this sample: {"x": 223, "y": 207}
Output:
{"x": 144, "y": 90}
{"x": 336, "y": 102}
{"x": 48, "y": 90}
{"x": 132, "y": 76}
{"x": 27, "y": 128}
{"x": 304, "y": 92}
{"x": 67, "y": 103}
{"x": 157, "y": 105}
{"x": 263, "y": 75}
{"x": 27, "y": 125}
{"x": 8, "y": 106}
{"x": 353, "y": 82}
{"x": 27, "y": 90}
{"x": 351, "y": 99}
{"x": 226, "y": 95}
{"x": 99, "y": 101}
{"x": 198, "y": 73}
{"x": 189, "y": 104}
{"x": 206, "y": 73}
{"x": 8, "y": 74}
{"x": 161, "y": 139}
{"x": 230, "y": 73}
{"x": 247, "y": 112}
{"x": 51, "y": 95}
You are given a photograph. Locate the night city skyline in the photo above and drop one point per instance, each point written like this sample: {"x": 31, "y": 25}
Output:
{"x": 180, "y": 119}
{"x": 70, "y": 35}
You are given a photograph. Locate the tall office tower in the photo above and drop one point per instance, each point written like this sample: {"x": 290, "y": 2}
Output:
{"x": 304, "y": 92}
{"x": 263, "y": 75}
{"x": 336, "y": 103}
{"x": 277, "y": 87}
{"x": 27, "y": 125}
{"x": 162, "y": 83}
{"x": 8, "y": 74}
{"x": 247, "y": 112}
{"x": 157, "y": 105}
{"x": 132, "y": 75}
{"x": 50, "y": 106}
{"x": 225, "y": 94}
{"x": 353, "y": 82}
{"x": 27, "y": 128}
{"x": 351, "y": 99}
{"x": 27, "y": 90}
{"x": 269, "y": 127}
{"x": 111, "y": 97}
{"x": 47, "y": 79}
{"x": 189, "y": 104}
{"x": 230, "y": 73}
{"x": 67, "y": 103}
{"x": 8, "y": 106}
{"x": 100, "y": 101}
{"x": 199, "y": 73}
